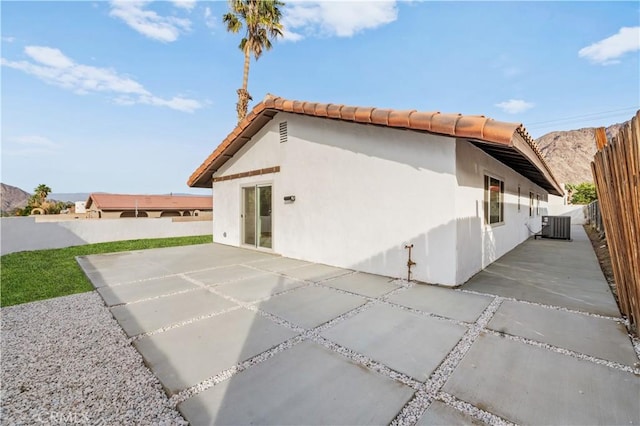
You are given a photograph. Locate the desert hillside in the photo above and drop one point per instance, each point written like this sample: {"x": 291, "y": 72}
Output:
{"x": 12, "y": 197}
{"x": 569, "y": 153}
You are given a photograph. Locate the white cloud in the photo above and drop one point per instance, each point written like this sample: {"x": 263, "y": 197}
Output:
{"x": 148, "y": 22}
{"x": 31, "y": 145}
{"x": 184, "y": 4}
{"x": 209, "y": 19}
{"x": 48, "y": 56}
{"x": 52, "y": 66}
{"x": 335, "y": 18}
{"x": 609, "y": 50}
{"x": 515, "y": 106}
{"x": 8, "y": 39}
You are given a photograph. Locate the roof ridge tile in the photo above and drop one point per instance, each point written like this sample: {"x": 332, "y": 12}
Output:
{"x": 476, "y": 127}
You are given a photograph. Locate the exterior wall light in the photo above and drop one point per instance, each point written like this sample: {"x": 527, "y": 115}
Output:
{"x": 289, "y": 198}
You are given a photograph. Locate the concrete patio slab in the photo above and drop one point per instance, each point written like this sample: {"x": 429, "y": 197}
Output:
{"x": 362, "y": 283}
{"x": 443, "y": 301}
{"x": 224, "y": 274}
{"x": 97, "y": 262}
{"x": 316, "y": 272}
{"x": 118, "y": 272}
{"x": 185, "y": 356}
{"x": 409, "y": 343}
{"x": 598, "y": 337}
{"x": 306, "y": 384}
{"x": 126, "y": 293}
{"x": 191, "y": 258}
{"x": 311, "y": 306}
{"x": 142, "y": 317}
{"x": 279, "y": 264}
{"x": 312, "y": 384}
{"x": 589, "y": 295}
{"x": 530, "y": 385}
{"x": 550, "y": 272}
{"x": 440, "y": 414}
{"x": 255, "y": 288}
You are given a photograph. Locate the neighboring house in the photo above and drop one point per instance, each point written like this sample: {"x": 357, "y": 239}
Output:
{"x": 81, "y": 207}
{"x": 101, "y": 205}
{"x": 352, "y": 186}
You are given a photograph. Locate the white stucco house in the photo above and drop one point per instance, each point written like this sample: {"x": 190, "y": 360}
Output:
{"x": 352, "y": 187}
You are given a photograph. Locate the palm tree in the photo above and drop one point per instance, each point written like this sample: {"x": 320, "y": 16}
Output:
{"x": 262, "y": 21}
{"x": 41, "y": 192}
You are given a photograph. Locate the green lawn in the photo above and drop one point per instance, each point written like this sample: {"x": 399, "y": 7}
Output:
{"x": 42, "y": 274}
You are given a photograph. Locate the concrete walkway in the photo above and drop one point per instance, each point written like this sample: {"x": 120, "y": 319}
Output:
{"x": 239, "y": 336}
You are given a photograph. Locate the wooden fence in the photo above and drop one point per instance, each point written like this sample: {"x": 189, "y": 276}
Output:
{"x": 594, "y": 218}
{"x": 616, "y": 171}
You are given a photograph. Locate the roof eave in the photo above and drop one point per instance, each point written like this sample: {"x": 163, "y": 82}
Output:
{"x": 485, "y": 132}
{"x": 519, "y": 155}
{"x": 234, "y": 142}
{"x": 526, "y": 147}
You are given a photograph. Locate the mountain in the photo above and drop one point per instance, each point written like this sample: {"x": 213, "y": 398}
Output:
{"x": 12, "y": 197}
{"x": 69, "y": 197}
{"x": 569, "y": 153}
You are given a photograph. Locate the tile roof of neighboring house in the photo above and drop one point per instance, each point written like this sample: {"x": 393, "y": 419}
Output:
{"x": 149, "y": 202}
{"x": 508, "y": 142}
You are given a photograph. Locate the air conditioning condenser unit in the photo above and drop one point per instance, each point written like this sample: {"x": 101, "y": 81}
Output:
{"x": 556, "y": 227}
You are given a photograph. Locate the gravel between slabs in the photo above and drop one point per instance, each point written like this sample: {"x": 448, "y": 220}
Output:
{"x": 67, "y": 361}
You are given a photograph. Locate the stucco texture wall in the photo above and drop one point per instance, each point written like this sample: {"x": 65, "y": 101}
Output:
{"x": 24, "y": 233}
{"x": 362, "y": 193}
{"x": 479, "y": 244}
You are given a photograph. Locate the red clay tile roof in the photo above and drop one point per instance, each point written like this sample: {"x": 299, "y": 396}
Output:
{"x": 501, "y": 136}
{"x": 149, "y": 202}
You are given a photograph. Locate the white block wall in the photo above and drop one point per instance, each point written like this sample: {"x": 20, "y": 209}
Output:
{"x": 25, "y": 233}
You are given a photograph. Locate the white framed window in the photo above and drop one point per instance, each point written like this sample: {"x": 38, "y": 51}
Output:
{"x": 493, "y": 200}
{"x": 537, "y": 204}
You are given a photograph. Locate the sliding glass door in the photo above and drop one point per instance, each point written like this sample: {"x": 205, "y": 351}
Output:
{"x": 256, "y": 216}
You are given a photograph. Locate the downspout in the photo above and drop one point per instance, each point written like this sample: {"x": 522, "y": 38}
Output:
{"x": 410, "y": 262}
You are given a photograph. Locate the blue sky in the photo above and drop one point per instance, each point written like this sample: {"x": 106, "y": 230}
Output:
{"x": 132, "y": 96}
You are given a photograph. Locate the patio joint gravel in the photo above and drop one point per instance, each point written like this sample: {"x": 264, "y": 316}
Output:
{"x": 227, "y": 374}
{"x": 232, "y": 371}
{"x": 160, "y": 296}
{"x": 563, "y": 351}
{"x": 182, "y": 323}
{"x": 251, "y": 306}
{"x": 282, "y": 273}
{"x": 416, "y": 407}
{"x": 277, "y": 273}
{"x": 370, "y": 364}
{"x": 381, "y": 298}
{"x": 472, "y": 410}
{"x": 280, "y": 293}
{"x": 311, "y": 335}
{"x": 417, "y": 404}
{"x": 176, "y": 274}
{"x": 427, "y": 314}
{"x": 635, "y": 341}
{"x": 425, "y": 393}
{"x": 255, "y": 265}
{"x": 555, "y": 307}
